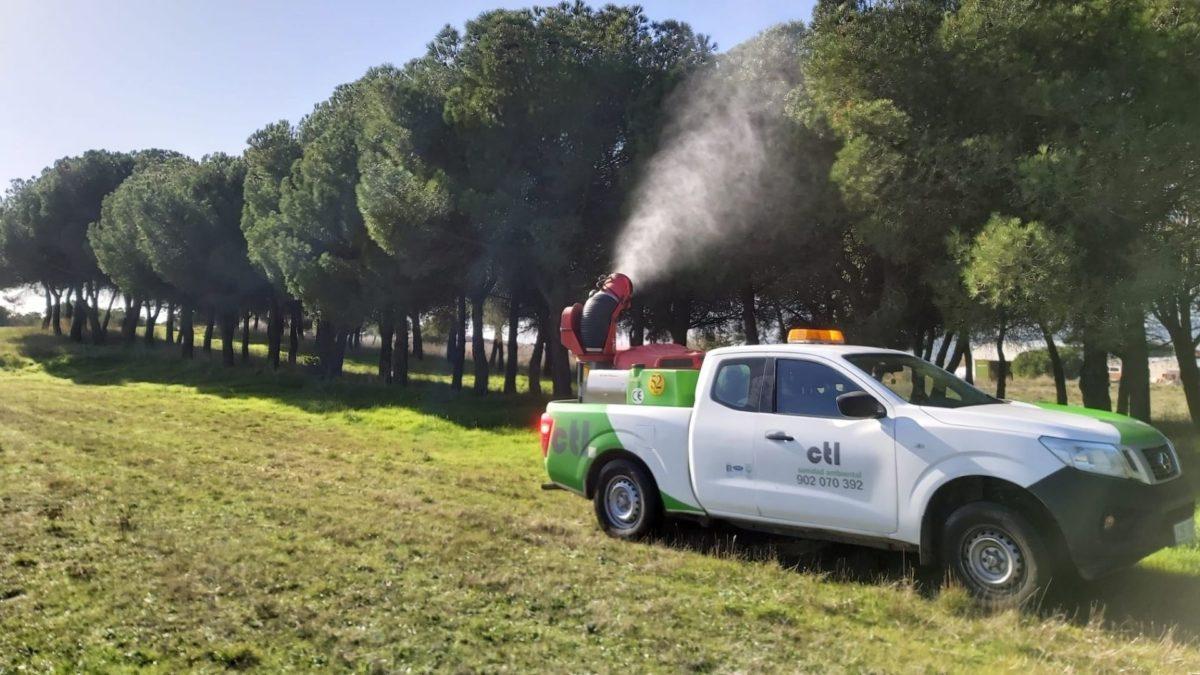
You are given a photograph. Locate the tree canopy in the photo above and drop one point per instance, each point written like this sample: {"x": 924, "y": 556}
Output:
{"x": 923, "y": 174}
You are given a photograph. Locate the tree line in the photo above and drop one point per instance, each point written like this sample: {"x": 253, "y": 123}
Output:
{"x": 957, "y": 172}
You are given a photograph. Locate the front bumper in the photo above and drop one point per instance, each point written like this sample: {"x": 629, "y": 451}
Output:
{"x": 1111, "y": 523}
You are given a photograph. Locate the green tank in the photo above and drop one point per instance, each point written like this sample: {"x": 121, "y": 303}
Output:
{"x": 662, "y": 387}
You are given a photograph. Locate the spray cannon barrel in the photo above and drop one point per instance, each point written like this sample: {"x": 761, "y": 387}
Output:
{"x": 589, "y": 331}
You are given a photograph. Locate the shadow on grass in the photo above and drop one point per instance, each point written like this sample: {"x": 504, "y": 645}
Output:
{"x": 428, "y": 391}
{"x": 1137, "y": 602}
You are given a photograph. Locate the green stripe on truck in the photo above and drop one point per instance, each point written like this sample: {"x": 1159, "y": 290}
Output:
{"x": 672, "y": 504}
{"x": 578, "y": 428}
{"x": 1134, "y": 433}
{"x": 585, "y": 425}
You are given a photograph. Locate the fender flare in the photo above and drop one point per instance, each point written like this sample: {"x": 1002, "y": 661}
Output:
{"x": 989, "y": 470}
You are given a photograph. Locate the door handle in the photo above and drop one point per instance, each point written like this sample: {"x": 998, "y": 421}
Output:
{"x": 778, "y": 436}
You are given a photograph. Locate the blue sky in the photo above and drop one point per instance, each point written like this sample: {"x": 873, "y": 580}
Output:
{"x": 201, "y": 75}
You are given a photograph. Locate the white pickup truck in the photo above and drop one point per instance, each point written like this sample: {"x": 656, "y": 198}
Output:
{"x": 876, "y": 447}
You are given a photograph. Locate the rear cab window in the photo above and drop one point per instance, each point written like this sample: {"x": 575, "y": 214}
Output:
{"x": 738, "y": 383}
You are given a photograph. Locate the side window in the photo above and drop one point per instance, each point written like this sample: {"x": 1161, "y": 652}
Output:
{"x": 738, "y": 383}
{"x": 809, "y": 388}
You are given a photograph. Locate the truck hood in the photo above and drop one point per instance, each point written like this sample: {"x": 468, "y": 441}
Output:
{"x": 1045, "y": 419}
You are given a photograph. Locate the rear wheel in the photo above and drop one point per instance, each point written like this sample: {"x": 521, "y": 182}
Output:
{"x": 996, "y": 554}
{"x": 626, "y": 500}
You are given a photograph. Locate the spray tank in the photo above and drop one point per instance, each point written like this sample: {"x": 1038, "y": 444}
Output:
{"x": 609, "y": 375}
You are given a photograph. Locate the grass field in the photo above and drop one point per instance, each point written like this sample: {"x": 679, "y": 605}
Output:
{"x": 162, "y": 515}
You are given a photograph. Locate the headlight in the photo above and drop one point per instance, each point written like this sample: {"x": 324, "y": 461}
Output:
{"x": 1101, "y": 458}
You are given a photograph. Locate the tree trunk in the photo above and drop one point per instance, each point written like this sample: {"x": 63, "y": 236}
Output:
{"x": 49, "y": 307}
{"x": 400, "y": 352}
{"x": 970, "y": 365}
{"x": 478, "y": 345}
{"x": 535, "y": 359}
{"x": 187, "y": 331}
{"x": 129, "y": 325}
{"x": 108, "y": 313}
{"x": 1093, "y": 376}
{"x": 152, "y": 311}
{"x": 960, "y": 350}
{"x": 1001, "y": 363}
{"x": 93, "y": 316}
{"x": 460, "y": 339}
{"x": 418, "y": 344}
{"x": 170, "y": 323}
{"x": 1056, "y": 366}
{"x": 1185, "y": 353}
{"x": 228, "y": 320}
{"x": 246, "y": 337}
{"x": 78, "y": 316}
{"x": 208, "y": 330}
{"x": 274, "y": 332}
{"x": 295, "y": 331}
{"x": 387, "y": 329}
{"x": 510, "y": 364}
{"x": 495, "y": 356}
{"x": 637, "y": 320}
{"x": 556, "y": 353}
{"x": 331, "y": 348}
{"x": 1135, "y": 367}
{"x": 944, "y": 349}
{"x": 340, "y": 342}
{"x": 749, "y": 318}
{"x": 56, "y": 318}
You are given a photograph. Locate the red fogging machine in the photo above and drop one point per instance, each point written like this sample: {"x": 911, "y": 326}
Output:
{"x": 589, "y": 331}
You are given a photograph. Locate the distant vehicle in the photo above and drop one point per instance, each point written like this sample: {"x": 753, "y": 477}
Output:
{"x": 872, "y": 446}
{"x": 1114, "y": 373}
{"x": 1169, "y": 377}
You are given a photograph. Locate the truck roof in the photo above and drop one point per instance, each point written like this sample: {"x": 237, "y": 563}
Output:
{"x": 814, "y": 349}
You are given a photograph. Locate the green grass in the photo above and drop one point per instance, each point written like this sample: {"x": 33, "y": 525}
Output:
{"x": 157, "y": 514}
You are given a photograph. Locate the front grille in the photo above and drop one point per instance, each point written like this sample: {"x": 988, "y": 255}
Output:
{"x": 1161, "y": 462}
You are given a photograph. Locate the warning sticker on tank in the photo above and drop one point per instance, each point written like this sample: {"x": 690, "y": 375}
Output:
{"x": 657, "y": 384}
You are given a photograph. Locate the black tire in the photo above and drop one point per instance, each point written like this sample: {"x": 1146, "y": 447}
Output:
{"x": 996, "y": 553}
{"x": 626, "y": 499}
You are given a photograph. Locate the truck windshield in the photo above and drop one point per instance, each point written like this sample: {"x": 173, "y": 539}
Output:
{"x": 919, "y": 382}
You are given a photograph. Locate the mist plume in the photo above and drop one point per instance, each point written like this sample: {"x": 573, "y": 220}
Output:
{"x": 720, "y": 169}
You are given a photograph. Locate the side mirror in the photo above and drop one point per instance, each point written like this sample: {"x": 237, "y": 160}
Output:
{"x": 860, "y": 405}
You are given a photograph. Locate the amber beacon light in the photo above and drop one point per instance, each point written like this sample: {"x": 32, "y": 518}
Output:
{"x": 815, "y": 336}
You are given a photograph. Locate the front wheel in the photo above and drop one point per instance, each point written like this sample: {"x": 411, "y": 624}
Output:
{"x": 996, "y": 554}
{"x": 626, "y": 500}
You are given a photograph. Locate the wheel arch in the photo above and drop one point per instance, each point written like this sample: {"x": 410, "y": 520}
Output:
{"x": 976, "y": 488}
{"x": 607, "y": 457}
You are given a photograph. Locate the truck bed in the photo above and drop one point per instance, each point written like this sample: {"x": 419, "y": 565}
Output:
{"x": 587, "y": 433}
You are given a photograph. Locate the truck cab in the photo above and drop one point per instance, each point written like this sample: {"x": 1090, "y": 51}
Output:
{"x": 877, "y": 447}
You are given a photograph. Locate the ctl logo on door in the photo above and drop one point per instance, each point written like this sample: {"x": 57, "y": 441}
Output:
{"x": 657, "y": 384}
{"x": 829, "y": 455}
